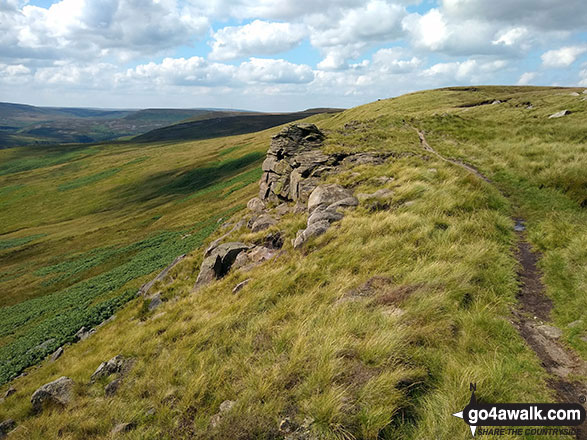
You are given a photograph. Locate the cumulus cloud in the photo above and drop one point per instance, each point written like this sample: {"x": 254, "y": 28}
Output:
{"x": 563, "y": 57}
{"x": 258, "y": 37}
{"x": 274, "y": 71}
{"x": 526, "y": 78}
{"x": 467, "y": 71}
{"x": 91, "y": 28}
{"x": 345, "y": 37}
{"x": 395, "y": 61}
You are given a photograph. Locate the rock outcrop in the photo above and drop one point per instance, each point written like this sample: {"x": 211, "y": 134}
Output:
{"x": 293, "y": 163}
{"x": 6, "y": 426}
{"x": 57, "y": 393}
{"x": 218, "y": 261}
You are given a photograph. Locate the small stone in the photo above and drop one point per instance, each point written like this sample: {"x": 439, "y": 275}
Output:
{"x": 151, "y": 412}
{"x": 123, "y": 427}
{"x": 559, "y": 114}
{"x": 240, "y": 285}
{"x": 497, "y": 101}
{"x": 6, "y": 426}
{"x": 58, "y": 393}
{"x": 576, "y": 323}
{"x": 550, "y": 331}
{"x": 56, "y": 354}
{"x": 9, "y": 392}
{"x": 84, "y": 333}
{"x": 111, "y": 389}
{"x": 287, "y": 426}
{"x": 225, "y": 406}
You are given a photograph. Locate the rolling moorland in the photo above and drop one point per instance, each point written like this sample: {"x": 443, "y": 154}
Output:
{"x": 484, "y": 211}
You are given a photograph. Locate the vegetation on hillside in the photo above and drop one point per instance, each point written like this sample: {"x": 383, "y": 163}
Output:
{"x": 295, "y": 342}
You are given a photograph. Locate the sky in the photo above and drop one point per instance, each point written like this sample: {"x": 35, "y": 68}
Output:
{"x": 279, "y": 55}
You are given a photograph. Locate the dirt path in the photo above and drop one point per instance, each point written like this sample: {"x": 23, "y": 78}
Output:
{"x": 533, "y": 312}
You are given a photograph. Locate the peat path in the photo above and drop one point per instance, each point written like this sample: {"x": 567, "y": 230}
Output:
{"x": 533, "y": 311}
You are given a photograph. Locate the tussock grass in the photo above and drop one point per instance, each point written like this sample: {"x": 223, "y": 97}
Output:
{"x": 392, "y": 363}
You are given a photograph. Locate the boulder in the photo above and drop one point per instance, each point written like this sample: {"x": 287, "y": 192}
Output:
{"x": 321, "y": 215}
{"x": 263, "y": 222}
{"x": 314, "y": 230}
{"x": 117, "y": 365}
{"x": 325, "y": 195}
{"x": 256, "y": 205}
{"x": 559, "y": 114}
{"x": 57, "y": 393}
{"x": 84, "y": 333}
{"x": 549, "y": 331}
{"x": 574, "y": 94}
{"x": 111, "y": 389}
{"x": 254, "y": 257}
{"x": 218, "y": 262}
{"x": 56, "y": 354}
{"x": 6, "y": 426}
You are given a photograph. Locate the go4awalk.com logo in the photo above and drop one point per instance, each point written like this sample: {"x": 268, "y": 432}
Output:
{"x": 509, "y": 418}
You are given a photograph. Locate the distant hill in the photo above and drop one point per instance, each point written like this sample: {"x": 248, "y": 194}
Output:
{"x": 225, "y": 125}
{"x": 25, "y": 124}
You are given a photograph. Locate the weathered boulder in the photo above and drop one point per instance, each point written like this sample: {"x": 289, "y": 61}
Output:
{"x": 84, "y": 333}
{"x": 263, "y": 222}
{"x": 321, "y": 215}
{"x": 218, "y": 261}
{"x": 559, "y": 114}
{"x": 256, "y": 205}
{"x": 111, "y": 389}
{"x": 117, "y": 365}
{"x": 56, "y": 354}
{"x": 6, "y": 426}
{"x": 324, "y": 196}
{"x": 254, "y": 257}
{"x": 313, "y": 230}
{"x": 57, "y": 393}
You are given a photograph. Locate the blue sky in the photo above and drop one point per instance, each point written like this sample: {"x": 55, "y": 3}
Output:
{"x": 279, "y": 55}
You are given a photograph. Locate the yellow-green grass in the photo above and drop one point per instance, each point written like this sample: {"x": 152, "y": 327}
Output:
{"x": 291, "y": 344}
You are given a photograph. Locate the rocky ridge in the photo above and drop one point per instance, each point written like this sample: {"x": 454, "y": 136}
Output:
{"x": 291, "y": 182}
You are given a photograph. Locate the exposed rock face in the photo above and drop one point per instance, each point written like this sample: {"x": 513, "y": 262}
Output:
{"x": 218, "y": 261}
{"x": 256, "y": 205}
{"x": 293, "y": 159}
{"x": 117, "y": 365}
{"x": 58, "y": 393}
{"x": 111, "y": 389}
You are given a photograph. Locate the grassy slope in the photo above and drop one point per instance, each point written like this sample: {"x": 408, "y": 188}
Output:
{"x": 285, "y": 345}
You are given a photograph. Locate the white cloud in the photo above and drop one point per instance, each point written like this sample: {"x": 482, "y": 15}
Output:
{"x": 563, "y": 57}
{"x": 429, "y": 31}
{"x": 468, "y": 71}
{"x": 395, "y": 61}
{"x": 512, "y": 37}
{"x": 346, "y": 37}
{"x": 259, "y": 70}
{"x": 195, "y": 71}
{"x": 258, "y": 37}
{"x": 78, "y": 29}
{"x": 526, "y": 78}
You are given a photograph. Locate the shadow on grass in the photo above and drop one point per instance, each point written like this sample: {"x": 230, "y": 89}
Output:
{"x": 174, "y": 183}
